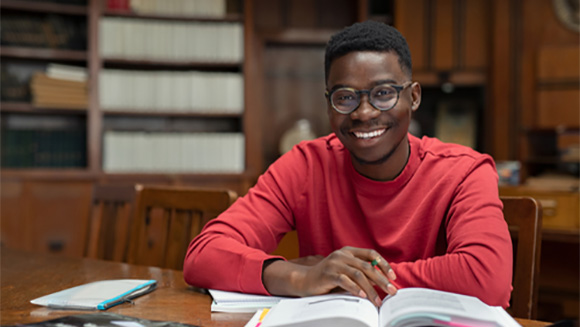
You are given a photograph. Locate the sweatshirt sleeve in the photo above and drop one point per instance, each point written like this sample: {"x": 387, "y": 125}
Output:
{"x": 478, "y": 260}
{"x": 229, "y": 252}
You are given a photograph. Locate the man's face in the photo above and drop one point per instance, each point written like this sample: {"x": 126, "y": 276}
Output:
{"x": 373, "y": 137}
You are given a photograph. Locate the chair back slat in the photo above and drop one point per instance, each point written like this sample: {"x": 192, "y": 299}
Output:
{"x": 524, "y": 218}
{"x": 167, "y": 218}
{"x": 109, "y": 222}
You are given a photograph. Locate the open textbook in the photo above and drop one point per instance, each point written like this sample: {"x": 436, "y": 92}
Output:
{"x": 410, "y": 307}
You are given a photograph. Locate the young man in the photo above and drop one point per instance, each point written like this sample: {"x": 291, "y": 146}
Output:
{"x": 375, "y": 208}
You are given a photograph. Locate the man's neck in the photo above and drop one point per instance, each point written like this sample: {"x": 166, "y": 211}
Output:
{"x": 390, "y": 168}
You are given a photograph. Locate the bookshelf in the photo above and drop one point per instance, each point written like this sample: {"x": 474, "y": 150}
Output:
{"x": 177, "y": 111}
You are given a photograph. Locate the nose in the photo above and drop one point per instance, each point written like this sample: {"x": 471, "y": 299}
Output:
{"x": 365, "y": 110}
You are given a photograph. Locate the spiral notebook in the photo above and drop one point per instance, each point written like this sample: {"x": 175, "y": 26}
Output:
{"x": 99, "y": 295}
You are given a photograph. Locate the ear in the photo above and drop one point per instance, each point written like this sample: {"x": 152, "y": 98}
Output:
{"x": 415, "y": 95}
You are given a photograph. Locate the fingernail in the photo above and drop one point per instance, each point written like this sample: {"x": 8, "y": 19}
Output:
{"x": 392, "y": 289}
{"x": 391, "y": 274}
{"x": 362, "y": 294}
{"x": 378, "y": 301}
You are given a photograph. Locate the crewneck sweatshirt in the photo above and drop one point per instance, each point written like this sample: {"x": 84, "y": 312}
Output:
{"x": 439, "y": 223}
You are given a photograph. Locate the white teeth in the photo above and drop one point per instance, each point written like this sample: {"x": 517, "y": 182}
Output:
{"x": 369, "y": 135}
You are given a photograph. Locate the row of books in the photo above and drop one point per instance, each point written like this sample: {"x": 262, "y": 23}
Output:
{"x": 45, "y": 148}
{"x": 170, "y": 40}
{"x": 173, "y": 152}
{"x": 192, "y": 91}
{"x": 48, "y": 31}
{"x": 209, "y": 8}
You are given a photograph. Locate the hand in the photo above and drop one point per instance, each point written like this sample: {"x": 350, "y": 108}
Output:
{"x": 348, "y": 268}
{"x": 310, "y": 260}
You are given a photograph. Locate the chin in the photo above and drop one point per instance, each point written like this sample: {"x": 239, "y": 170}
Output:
{"x": 373, "y": 160}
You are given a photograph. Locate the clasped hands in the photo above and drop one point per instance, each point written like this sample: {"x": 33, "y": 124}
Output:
{"x": 351, "y": 269}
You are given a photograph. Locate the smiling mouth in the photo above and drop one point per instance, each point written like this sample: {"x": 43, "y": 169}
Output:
{"x": 369, "y": 135}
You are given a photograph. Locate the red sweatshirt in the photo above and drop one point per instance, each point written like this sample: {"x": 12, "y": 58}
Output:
{"x": 439, "y": 223}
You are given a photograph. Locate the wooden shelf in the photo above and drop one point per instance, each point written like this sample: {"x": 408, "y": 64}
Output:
{"x": 171, "y": 114}
{"x": 47, "y": 174}
{"x": 168, "y": 64}
{"x": 130, "y": 14}
{"x": 44, "y": 7}
{"x": 43, "y": 54}
{"x": 28, "y": 108}
{"x": 558, "y": 130}
{"x": 295, "y": 36}
{"x": 561, "y": 235}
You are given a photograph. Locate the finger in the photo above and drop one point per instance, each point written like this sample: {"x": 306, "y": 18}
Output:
{"x": 384, "y": 266}
{"x": 376, "y": 268}
{"x": 361, "y": 279}
{"x": 376, "y": 260}
{"x": 378, "y": 277}
{"x": 348, "y": 285}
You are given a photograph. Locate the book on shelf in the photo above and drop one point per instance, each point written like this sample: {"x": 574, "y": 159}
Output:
{"x": 50, "y": 31}
{"x": 27, "y": 148}
{"x": 67, "y": 72}
{"x": 173, "y": 152}
{"x": 166, "y": 91}
{"x": 146, "y": 39}
{"x": 409, "y": 307}
{"x": 51, "y": 92}
{"x": 208, "y": 8}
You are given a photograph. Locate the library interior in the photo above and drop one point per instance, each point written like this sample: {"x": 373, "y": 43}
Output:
{"x": 100, "y": 98}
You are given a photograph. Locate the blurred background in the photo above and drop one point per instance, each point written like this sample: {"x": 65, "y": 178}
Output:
{"x": 210, "y": 92}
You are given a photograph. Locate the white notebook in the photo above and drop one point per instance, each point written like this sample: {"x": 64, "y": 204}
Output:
{"x": 224, "y": 301}
{"x": 99, "y": 295}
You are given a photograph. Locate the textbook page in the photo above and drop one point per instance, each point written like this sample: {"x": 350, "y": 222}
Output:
{"x": 333, "y": 310}
{"x": 420, "y": 306}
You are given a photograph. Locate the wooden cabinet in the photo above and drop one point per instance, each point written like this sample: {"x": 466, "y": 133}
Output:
{"x": 561, "y": 209}
{"x": 45, "y": 216}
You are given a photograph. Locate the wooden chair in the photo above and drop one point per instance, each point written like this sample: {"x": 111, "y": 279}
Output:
{"x": 109, "y": 222}
{"x": 167, "y": 218}
{"x": 524, "y": 218}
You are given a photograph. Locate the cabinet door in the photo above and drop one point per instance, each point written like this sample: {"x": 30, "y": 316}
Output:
{"x": 58, "y": 215}
{"x": 46, "y": 216}
{"x": 13, "y": 213}
{"x": 445, "y": 35}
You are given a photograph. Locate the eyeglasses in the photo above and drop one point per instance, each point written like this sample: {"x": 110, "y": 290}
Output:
{"x": 383, "y": 97}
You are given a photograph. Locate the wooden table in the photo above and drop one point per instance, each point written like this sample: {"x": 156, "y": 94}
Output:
{"x": 25, "y": 276}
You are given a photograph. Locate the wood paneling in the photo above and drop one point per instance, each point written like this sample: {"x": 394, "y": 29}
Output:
{"x": 411, "y": 19}
{"x": 444, "y": 35}
{"x": 302, "y": 14}
{"x": 13, "y": 213}
{"x": 558, "y": 108}
{"x": 559, "y": 63}
{"x": 475, "y": 34}
{"x": 57, "y": 212}
{"x": 45, "y": 216}
{"x": 501, "y": 99}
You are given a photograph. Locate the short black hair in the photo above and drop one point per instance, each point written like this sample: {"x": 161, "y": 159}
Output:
{"x": 368, "y": 36}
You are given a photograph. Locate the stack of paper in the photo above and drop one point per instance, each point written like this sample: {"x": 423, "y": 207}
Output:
{"x": 238, "y": 302}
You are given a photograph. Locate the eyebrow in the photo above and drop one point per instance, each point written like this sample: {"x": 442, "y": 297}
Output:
{"x": 375, "y": 83}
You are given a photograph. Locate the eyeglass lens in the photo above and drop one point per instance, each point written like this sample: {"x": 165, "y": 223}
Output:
{"x": 382, "y": 97}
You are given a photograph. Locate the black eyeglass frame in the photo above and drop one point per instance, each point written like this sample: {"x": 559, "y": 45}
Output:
{"x": 398, "y": 88}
